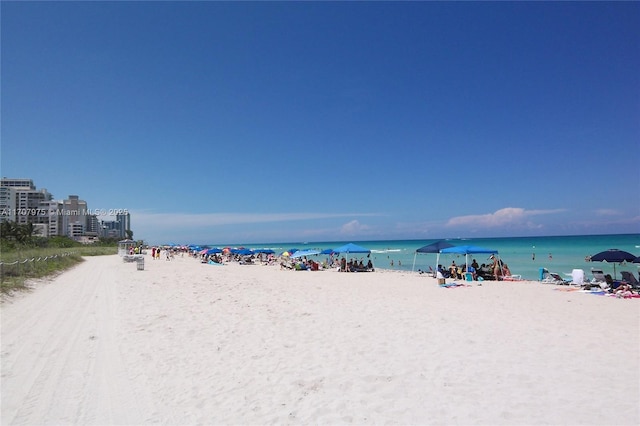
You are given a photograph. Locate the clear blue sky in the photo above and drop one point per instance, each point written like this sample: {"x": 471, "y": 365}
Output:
{"x": 314, "y": 121}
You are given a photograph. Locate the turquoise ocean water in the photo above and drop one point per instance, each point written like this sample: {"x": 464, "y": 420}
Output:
{"x": 559, "y": 254}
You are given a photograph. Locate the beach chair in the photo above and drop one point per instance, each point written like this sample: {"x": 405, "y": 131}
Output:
{"x": 630, "y": 279}
{"x": 598, "y": 276}
{"x": 512, "y": 277}
{"x": 578, "y": 277}
{"x": 553, "y": 278}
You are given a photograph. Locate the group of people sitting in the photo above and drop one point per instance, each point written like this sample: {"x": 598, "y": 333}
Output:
{"x": 303, "y": 264}
{"x": 494, "y": 271}
{"x": 353, "y": 265}
{"x": 622, "y": 289}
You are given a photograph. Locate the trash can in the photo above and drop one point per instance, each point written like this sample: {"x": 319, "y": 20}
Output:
{"x": 140, "y": 263}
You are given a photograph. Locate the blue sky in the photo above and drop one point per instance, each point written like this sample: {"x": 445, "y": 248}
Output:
{"x": 322, "y": 121}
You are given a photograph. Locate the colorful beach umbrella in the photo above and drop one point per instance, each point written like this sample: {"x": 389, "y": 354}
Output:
{"x": 613, "y": 256}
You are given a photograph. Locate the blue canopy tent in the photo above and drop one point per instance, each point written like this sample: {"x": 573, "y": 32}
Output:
{"x": 214, "y": 250}
{"x": 431, "y": 248}
{"x": 467, "y": 250}
{"x": 351, "y": 248}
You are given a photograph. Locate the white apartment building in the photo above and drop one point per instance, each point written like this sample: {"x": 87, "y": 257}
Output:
{"x": 54, "y": 218}
{"x": 7, "y": 204}
{"x": 24, "y": 201}
{"x": 74, "y": 214}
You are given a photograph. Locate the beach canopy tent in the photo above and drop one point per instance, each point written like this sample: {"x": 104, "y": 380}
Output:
{"x": 351, "y": 248}
{"x": 613, "y": 256}
{"x": 431, "y": 248}
{"x": 327, "y": 251}
{"x": 214, "y": 250}
{"x": 302, "y": 253}
{"x": 466, "y": 250}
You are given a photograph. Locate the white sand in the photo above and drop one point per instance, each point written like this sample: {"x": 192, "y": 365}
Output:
{"x": 189, "y": 343}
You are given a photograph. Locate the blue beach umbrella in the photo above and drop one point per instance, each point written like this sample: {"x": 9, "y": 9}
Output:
{"x": 613, "y": 256}
{"x": 264, "y": 251}
{"x": 302, "y": 253}
{"x": 242, "y": 252}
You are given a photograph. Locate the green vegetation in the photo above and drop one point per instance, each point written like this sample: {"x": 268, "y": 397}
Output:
{"x": 24, "y": 256}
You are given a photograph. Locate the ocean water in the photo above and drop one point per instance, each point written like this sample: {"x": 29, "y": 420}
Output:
{"x": 524, "y": 255}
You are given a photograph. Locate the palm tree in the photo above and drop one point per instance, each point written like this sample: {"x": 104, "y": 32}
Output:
{"x": 25, "y": 232}
{"x": 9, "y": 230}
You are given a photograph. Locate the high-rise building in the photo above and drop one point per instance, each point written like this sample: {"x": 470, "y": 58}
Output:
{"x": 21, "y": 202}
{"x": 28, "y": 201}
{"x": 124, "y": 220}
{"x": 110, "y": 229}
{"x": 74, "y": 216}
{"x": 93, "y": 225}
{"x": 7, "y": 204}
{"x": 18, "y": 183}
{"x": 54, "y": 208}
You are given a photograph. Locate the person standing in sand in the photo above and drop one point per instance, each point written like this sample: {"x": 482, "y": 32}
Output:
{"x": 496, "y": 267}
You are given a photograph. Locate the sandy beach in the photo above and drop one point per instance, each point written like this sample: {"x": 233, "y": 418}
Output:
{"x": 188, "y": 343}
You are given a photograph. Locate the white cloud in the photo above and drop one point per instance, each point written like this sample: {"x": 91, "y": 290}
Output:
{"x": 503, "y": 217}
{"x": 353, "y": 228}
{"x": 607, "y": 212}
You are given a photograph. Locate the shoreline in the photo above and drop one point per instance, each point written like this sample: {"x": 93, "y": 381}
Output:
{"x": 185, "y": 342}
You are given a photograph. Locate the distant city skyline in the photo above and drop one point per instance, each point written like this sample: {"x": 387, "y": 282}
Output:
{"x": 23, "y": 203}
{"x": 242, "y": 122}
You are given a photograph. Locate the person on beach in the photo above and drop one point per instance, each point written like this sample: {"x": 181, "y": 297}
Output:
{"x": 496, "y": 267}
{"x": 473, "y": 271}
{"x": 505, "y": 270}
{"x": 623, "y": 290}
{"x": 453, "y": 269}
